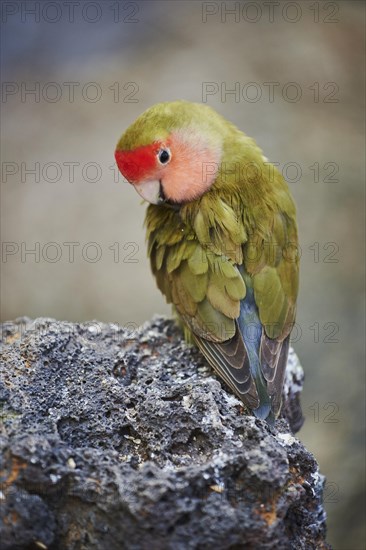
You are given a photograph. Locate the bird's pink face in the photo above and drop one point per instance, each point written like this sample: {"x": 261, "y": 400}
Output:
{"x": 178, "y": 169}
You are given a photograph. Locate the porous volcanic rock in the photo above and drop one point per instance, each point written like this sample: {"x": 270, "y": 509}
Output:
{"x": 118, "y": 439}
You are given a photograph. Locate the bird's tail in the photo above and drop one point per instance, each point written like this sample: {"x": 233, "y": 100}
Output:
{"x": 264, "y": 410}
{"x": 249, "y": 318}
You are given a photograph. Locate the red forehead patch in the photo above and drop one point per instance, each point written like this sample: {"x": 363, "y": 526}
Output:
{"x": 138, "y": 164}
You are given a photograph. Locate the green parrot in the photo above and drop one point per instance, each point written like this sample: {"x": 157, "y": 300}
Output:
{"x": 222, "y": 241}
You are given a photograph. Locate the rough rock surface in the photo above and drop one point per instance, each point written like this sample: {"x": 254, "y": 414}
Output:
{"x": 114, "y": 440}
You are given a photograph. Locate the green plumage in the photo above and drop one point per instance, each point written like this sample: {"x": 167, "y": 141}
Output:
{"x": 245, "y": 221}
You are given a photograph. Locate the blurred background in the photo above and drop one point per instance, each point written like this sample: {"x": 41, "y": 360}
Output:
{"x": 291, "y": 75}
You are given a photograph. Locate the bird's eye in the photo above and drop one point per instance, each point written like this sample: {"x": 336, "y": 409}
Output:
{"x": 164, "y": 156}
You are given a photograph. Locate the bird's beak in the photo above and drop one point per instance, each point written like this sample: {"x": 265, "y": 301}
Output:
{"x": 152, "y": 191}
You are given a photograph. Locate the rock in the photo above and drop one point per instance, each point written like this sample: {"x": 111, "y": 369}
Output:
{"x": 113, "y": 439}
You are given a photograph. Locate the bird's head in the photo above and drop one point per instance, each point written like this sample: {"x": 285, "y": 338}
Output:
{"x": 172, "y": 152}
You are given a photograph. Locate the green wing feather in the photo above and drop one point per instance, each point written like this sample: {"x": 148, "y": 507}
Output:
{"x": 195, "y": 253}
{"x": 275, "y": 274}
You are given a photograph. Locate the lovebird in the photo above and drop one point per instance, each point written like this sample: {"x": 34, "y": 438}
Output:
{"x": 222, "y": 241}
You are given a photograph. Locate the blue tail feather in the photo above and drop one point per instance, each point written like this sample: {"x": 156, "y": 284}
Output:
{"x": 251, "y": 329}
